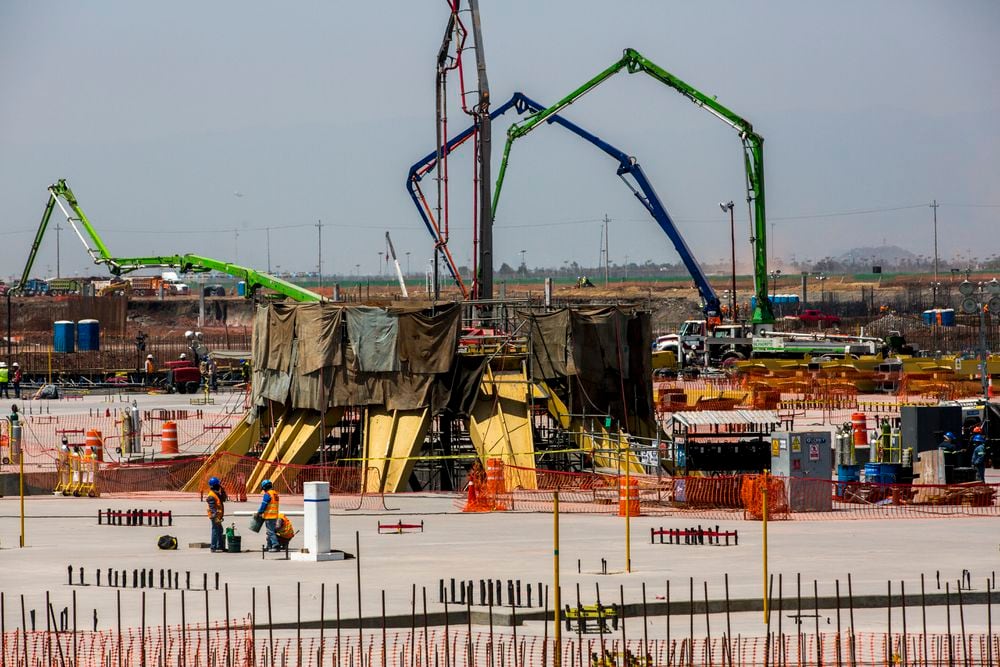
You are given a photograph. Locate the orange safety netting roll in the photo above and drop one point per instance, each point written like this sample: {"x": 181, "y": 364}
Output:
{"x": 487, "y": 489}
{"x": 752, "y": 494}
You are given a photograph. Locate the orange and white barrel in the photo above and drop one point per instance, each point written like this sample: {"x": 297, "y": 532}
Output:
{"x": 859, "y": 424}
{"x": 95, "y": 444}
{"x": 168, "y": 440}
{"x": 628, "y": 497}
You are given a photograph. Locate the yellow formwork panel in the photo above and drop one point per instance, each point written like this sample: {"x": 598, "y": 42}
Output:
{"x": 500, "y": 424}
{"x": 392, "y": 439}
{"x": 304, "y": 444}
{"x": 237, "y": 443}
{"x": 284, "y": 433}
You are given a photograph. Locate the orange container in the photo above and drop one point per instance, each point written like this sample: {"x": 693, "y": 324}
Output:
{"x": 859, "y": 423}
{"x": 628, "y": 497}
{"x": 95, "y": 444}
{"x": 168, "y": 440}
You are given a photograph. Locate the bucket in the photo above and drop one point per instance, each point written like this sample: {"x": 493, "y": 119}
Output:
{"x": 64, "y": 336}
{"x": 168, "y": 440}
{"x": 846, "y": 475}
{"x": 88, "y": 335}
{"x": 859, "y": 423}
{"x": 256, "y": 523}
{"x": 234, "y": 544}
{"x": 95, "y": 444}
{"x": 628, "y": 497}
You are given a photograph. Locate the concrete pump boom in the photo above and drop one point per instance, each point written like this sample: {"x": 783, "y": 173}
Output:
{"x": 753, "y": 149}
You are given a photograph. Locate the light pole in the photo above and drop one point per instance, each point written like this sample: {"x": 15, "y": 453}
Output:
{"x": 380, "y": 263}
{"x": 407, "y": 262}
{"x": 774, "y": 282}
{"x": 728, "y": 206}
{"x": 821, "y": 278}
{"x": 523, "y": 265}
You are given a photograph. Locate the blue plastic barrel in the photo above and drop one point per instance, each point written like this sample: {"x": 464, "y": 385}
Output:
{"x": 882, "y": 473}
{"x": 846, "y": 475}
{"x": 929, "y": 317}
{"x": 241, "y": 288}
{"x": 88, "y": 335}
{"x": 64, "y": 336}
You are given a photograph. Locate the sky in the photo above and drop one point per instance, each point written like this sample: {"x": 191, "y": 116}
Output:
{"x": 194, "y": 127}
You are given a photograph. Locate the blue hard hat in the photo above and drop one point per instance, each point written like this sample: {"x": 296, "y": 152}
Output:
{"x": 266, "y": 484}
{"x": 214, "y": 481}
{"x": 978, "y": 438}
{"x": 949, "y": 435}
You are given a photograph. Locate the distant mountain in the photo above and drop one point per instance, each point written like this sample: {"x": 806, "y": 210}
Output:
{"x": 885, "y": 254}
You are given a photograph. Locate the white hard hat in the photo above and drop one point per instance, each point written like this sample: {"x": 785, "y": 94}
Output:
{"x": 15, "y": 364}
{"x": 183, "y": 356}
{"x": 3, "y": 364}
{"x": 149, "y": 356}
{"x": 188, "y": 334}
{"x": 197, "y": 334}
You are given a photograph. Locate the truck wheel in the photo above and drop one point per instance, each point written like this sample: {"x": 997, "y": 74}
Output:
{"x": 192, "y": 387}
{"x": 180, "y": 387}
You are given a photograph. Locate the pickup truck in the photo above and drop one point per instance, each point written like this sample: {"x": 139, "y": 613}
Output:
{"x": 812, "y": 316}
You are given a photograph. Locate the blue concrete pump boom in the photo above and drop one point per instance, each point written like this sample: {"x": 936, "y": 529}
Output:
{"x": 628, "y": 166}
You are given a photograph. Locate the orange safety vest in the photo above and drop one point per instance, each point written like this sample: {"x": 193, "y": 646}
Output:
{"x": 286, "y": 530}
{"x": 271, "y": 511}
{"x": 220, "y": 507}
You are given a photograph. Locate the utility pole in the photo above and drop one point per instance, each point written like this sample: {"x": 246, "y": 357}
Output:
{"x": 483, "y": 127}
{"x": 319, "y": 249}
{"x": 607, "y": 252}
{"x": 58, "y": 229}
{"x": 268, "y": 230}
{"x": 934, "y": 205}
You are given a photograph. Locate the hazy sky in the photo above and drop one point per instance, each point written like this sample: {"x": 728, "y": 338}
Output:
{"x": 157, "y": 113}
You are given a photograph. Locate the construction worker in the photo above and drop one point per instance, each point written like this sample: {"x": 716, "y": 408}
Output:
{"x": 150, "y": 369}
{"x": 16, "y": 379}
{"x": 948, "y": 442}
{"x": 269, "y": 511}
{"x": 979, "y": 456}
{"x": 216, "y": 512}
{"x": 4, "y": 379}
{"x": 284, "y": 530}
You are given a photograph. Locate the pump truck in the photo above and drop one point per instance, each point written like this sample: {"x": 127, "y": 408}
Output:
{"x": 62, "y": 196}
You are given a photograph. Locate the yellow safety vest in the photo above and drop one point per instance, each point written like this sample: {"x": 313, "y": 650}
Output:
{"x": 286, "y": 531}
{"x": 271, "y": 511}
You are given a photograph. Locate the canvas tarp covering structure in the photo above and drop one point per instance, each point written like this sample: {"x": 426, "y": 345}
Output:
{"x": 321, "y": 355}
{"x": 604, "y": 354}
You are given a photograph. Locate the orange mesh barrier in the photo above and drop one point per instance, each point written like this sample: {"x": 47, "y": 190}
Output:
{"x": 194, "y": 647}
{"x": 752, "y": 494}
{"x": 740, "y": 497}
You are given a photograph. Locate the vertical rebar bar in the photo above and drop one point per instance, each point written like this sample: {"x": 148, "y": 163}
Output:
{"x": 708, "y": 626}
{"x": 357, "y": 558}
{"x": 923, "y": 614}
{"x": 645, "y": 626}
{"x": 850, "y": 607}
{"x": 961, "y": 620}
{"x": 839, "y": 636}
{"x": 322, "y": 622}
{"x": 183, "y": 631}
{"x": 691, "y": 622}
{"x": 270, "y": 627}
{"x": 118, "y": 609}
{"x": 337, "y": 603}
{"x": 947, "y": 607}
{"x": 819, "y": 645}
{"x": 902, "y": 608}
{"x": 208, "y": 633}
{"x": 142, "y": 631}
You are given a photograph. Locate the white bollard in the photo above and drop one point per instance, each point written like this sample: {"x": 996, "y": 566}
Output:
{"x": 316, "y": 525}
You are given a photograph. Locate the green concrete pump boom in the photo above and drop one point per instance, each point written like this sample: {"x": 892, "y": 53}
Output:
{"x": 60, "y": 193}
{"x": 753, "y": 149}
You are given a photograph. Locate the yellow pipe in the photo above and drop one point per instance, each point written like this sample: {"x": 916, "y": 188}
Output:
{"x": 20, "y": 460}
{"x": 557, "y": 653}
{"x": 766, "y": 610}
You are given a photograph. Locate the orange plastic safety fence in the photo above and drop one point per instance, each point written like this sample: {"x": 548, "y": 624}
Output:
{"x": 433, "y": 647}
{"x": 740, "y": 497}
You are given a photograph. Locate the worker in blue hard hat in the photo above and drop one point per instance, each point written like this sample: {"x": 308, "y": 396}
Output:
{"x": 948, "y": 442}
{"x": 216, "y": 512}
{"x": 269, "y": 512}
{"x": 979, "y": 456}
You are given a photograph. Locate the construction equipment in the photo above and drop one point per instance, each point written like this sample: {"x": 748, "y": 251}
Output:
{"x": 627, "y": 166}
{"x": 753, "y": 148}
{"x": 399, "y": 271}
{"x": 62, "y": 196}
